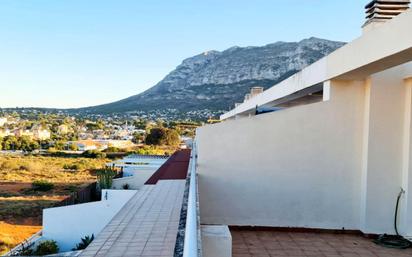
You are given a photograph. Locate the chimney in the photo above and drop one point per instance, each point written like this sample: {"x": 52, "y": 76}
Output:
{"x": 254, "y": 91}
{"x": 380, "y": 11}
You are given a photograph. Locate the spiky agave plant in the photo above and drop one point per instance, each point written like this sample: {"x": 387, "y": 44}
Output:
{"x": 84, "y": 242}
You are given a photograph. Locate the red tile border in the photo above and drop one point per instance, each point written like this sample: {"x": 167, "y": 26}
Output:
{"x": 174, "y": 168}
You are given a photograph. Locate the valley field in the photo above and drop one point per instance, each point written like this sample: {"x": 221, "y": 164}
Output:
{"x": 21, "y": 201}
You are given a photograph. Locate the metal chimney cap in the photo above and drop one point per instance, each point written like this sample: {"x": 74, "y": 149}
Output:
{"x": 391, "y": 2}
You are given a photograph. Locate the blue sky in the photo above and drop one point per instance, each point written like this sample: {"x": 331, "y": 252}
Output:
{"x": 73, "y": 53}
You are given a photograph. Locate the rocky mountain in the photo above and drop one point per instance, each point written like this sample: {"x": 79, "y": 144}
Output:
{"x": 213, "y": 81}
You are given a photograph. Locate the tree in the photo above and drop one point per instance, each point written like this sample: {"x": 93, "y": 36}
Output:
{"x": 171, "y": 124}
{"x": 137, "y": 137}
{"x": 95, "y": 126}
{"x": 25, "y": 143}
{"x": 172, "y": 137}
{"x": 34, "y": 145}
{"x": 60, "y": 145}
{"x": 156, "y": 136}
{"x": 73, "y": 147}
{"x": 10, "y": 143}
{"x": 93, "y": 154}
{"x": 45, "y": 144}
{"x": 162, "y": 136}
{"x": 140, "y": 124}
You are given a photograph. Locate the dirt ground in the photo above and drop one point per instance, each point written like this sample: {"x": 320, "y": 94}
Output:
{"x": 21, "y": 206}
{"x": 21, "y": 210}
{"x": 13, "y": 234}
{"x": 20, "y": 215}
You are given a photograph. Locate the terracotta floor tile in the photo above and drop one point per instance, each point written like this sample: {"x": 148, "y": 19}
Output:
{"x": 282, "y": 244}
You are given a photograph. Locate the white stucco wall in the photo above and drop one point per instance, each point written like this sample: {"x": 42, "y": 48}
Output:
{"x": 297, "y": 167}
{"x": 338, "y": 163}
{"x": 384, "y": 154}
{"x": 406, "y": 217}
{"x": 67, "y": 225}
{"x": 386, "y": 140}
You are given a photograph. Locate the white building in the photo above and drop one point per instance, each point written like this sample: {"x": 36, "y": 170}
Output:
{"x": 63, "y": 129}
{"x": 41, "y": 133}
{"x": 336, "y": 163}
{"x": 5, "y": 132}
{"x": 3, "y": 120}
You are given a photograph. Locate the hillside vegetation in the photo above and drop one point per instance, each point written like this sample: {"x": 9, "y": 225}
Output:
{"x": 53, "y": 169}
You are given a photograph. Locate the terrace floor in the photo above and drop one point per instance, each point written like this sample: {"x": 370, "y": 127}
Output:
{"x": 146, "y": 226}
{"x": 260, "y": 243}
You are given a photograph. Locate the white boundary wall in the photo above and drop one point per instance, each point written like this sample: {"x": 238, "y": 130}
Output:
{"x": 136, "y": 181}
{"x": 66, "y": 225}
{"x": 297, "y": 167}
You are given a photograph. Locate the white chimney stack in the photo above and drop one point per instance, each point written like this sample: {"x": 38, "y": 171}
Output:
{"x": 380, "y": 11}
{"x": 254, "y": 91}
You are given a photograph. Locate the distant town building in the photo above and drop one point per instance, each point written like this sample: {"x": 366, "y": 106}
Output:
{"x": 4, "y": 132}
{"x": 101, "y": 144}
{"x": 41, "y": 133}
{"x": 86, "y": 145}
{"x": 116, "y": 143}
{"x": 19, "y": 132}
{"x": 3, "y": 121}
{"x": 63, "y": 129}
{"x": 34, "y": 133}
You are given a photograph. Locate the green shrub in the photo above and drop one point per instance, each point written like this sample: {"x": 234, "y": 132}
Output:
{"x": 93, "y": 154}
{"x": 46, "y": 247}
{"x": 84, "y": 242}
{"x": 42, "y": 185}
{"x": 105, "y": 178}
{"x": 148, "y": 150}
{"x": 112, "y": 149}
{"x": 74, "y": 166}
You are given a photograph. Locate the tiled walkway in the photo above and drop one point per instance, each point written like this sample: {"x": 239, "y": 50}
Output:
{"x": 146, "y": 226}
{"x": 271, "y": 244}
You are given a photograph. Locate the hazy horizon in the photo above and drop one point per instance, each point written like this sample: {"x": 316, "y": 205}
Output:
{"x": 71, "y": 54}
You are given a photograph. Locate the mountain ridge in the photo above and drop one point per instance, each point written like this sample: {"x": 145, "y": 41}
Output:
{"x": 213, "y": 81}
